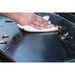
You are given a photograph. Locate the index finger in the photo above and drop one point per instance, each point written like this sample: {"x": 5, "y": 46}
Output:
{"x": 42, "y": 21}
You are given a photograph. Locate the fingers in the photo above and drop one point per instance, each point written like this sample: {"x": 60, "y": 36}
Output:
{"x": 37, "y": 27}
{"x": 41, "y": 25}
{"x": 39, "y": 21}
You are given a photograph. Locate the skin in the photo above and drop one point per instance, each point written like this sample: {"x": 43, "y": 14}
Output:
{"x": 30, "y": 19}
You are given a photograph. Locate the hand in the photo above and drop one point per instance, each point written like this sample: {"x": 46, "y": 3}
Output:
{"x": 30, "y": 19}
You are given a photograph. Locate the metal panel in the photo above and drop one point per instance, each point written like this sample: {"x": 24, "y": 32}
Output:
{"x": 34, "y": 47}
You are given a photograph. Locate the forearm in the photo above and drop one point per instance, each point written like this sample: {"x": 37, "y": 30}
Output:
{"x": 13, "y": 16}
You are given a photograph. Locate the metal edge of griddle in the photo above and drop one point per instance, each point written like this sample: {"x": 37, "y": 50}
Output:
{"x": 68, "y": 16}
{"x": 64, "y": 19}
{"x": 72, "y": 14}
{"x": 5, "y": 56}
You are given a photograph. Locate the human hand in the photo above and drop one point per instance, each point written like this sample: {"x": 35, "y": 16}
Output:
{"x": 30, "y": 19}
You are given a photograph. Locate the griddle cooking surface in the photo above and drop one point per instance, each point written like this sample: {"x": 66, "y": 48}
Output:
{"x": 33, "y": 47}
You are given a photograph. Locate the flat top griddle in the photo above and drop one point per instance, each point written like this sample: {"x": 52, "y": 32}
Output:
{"x": 34, "y": 47}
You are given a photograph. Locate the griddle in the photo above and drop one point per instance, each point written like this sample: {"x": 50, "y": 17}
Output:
{"x": 37, "y": 47}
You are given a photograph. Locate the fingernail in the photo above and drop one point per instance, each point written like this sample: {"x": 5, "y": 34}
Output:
{"x": 49, "y": 26}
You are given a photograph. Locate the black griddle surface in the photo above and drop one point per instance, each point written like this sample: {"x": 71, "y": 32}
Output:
{"x": 34, "y": 47}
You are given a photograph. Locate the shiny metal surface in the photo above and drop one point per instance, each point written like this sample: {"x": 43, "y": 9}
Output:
{"x": 34, "y": 47}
